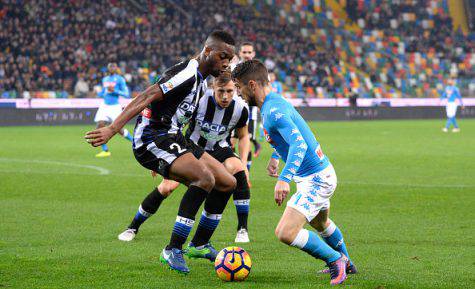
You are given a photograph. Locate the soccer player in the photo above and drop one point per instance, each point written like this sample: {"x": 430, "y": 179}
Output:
{"x": 218, "y": 113}
{"x": 159, "y": 145}
{"x": 452, "y": 94}
{"x": 247, "y": 52}
{"x": 305, "y": 163}
{"x": 113, "y": 86}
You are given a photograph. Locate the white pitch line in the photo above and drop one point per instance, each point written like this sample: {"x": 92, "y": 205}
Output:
{"x": 102, "y": 171}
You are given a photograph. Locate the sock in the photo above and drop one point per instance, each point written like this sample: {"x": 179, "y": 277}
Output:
{"x": 213, "y": 209}
{"x": 105, "y": 148}
{"x": 242, "y": 197}
{"x": 309, "y": 242}
{"x": 454, "y": 122}
{"x": 127, "y": 135}
{"x": 149, "y": 206}
{"x": 249, "y": 161}
{"x": 334, "y": 238}
{"x": 190, "y": 203}
{"x": 449, "y": 121}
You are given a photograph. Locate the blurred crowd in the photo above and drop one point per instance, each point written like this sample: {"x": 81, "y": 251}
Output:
{"x": 61, "y": 48}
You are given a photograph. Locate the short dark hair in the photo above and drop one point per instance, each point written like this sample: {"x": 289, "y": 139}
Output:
{"x": 251, "y": 70}
{"x": 247, "y": 43}
{"x": 223, "y": 78}
{"x": 222, "y": 36}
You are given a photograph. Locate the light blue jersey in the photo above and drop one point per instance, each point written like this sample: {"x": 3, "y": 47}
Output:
{"x": 120, "y": 89}
{"x": 292, "y": 139}
{"x": 451, "y": 92}
{"x": 277, "y": 87}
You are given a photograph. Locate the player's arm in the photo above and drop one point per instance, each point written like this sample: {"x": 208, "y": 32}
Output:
{"x": 273, "y": 165}
{"x": 103, "y": 92}
{"x": 123, "y": 89}
{"x": 297, "y": 149}
{"x": 244, "y": 143}
{"x": 458, "y": 95}
{"x": 103, "y": 135}
{"x": 242, "y": 133}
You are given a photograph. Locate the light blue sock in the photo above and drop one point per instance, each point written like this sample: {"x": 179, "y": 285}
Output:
{"x": 105, "y": 148}
{"x": 449, "y": 121}
{"x": 454, "y": 122}
{"x": 309, "y": 242}
{"x": 127, "y": 135}
{"x": 333, "y": 237}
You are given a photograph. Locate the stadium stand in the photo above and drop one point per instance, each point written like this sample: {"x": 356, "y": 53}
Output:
{"x": 317, "y": 48}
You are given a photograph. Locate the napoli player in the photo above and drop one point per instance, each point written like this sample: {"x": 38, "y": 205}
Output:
{"x": 452, "y": 94}
{"x": 294, "y": 142}
{"x": 113, "y": 87}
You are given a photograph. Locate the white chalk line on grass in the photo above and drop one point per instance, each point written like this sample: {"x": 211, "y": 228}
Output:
{"x": 100, "y": 170}
{"x": 104, "y": 171}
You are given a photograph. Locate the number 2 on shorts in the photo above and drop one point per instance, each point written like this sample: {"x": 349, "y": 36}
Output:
{"x": 177, "y": 147}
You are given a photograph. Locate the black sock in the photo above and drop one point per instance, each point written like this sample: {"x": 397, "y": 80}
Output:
{"x": 213, "y": 210}
{"x": 190, "y": 203}
{"x": 149, "y": 206}
{"x": 241, "y": 198}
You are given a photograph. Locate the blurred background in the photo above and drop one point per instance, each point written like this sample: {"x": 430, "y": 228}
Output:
{"x": 323, "y": 52}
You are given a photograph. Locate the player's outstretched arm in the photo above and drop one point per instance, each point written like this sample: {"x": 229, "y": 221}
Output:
{"x": 244, "y": 146}
{"x": 103, "y": 135}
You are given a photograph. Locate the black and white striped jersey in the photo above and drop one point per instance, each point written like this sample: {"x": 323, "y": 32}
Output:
{"x": 182, "y": 86}
{"x": 211, "y": 127}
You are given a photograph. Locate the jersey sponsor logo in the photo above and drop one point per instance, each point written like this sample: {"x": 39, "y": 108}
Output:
{"x": 187, "y": 112}
{"x": 167, "y": 86}
{"x": 211, "y": 127}
{"x": 147, "y": 112}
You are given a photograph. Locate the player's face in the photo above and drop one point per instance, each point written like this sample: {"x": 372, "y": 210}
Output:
{"x": 246, "y": 91}
{"x": 271, "y": 77}
{"x": 224, "y": 94}
{"x": 247, "y": 52}
{"x": 220, "y": 58}
{"x": 112, "y": 68}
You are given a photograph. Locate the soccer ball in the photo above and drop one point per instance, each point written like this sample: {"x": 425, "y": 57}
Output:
{"x": 233, "y": 264}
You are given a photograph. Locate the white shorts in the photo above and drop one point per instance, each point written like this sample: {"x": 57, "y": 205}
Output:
{"x": 107, "y": 112}
{"x": 314, "y": 192}
{"x": 451, "y": 109}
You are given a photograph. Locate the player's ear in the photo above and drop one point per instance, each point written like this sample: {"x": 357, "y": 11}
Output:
{"x": 208, "y": 50}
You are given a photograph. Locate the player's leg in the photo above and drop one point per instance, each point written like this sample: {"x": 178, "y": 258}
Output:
{"x": 291, "y": 232}
{"x": 214, "y": 206}
{"x": 241, "y": 195}
{"x": 189, "y": 170}
{"x": 148, "y": 207}
{"x": 454, "y": 121}
{"x": 332, "y": 235}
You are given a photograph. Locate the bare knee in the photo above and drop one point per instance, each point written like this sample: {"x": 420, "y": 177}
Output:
{"x": 229, "y": 184}
{"x": 204, "y": 179}
{"x": 285, "y": 235}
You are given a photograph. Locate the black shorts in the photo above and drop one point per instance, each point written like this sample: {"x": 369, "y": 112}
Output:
{"x": 222, "y": 154}
{"x": 159, "y": 155}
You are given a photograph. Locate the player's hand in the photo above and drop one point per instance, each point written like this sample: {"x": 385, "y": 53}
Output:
{"x": 100, "y": 136}
{"x": 281, "y": 190}
{"x": 273, "y": 167}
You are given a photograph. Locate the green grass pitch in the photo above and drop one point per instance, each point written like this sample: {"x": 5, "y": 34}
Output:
{"x": 404, "y": 202}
